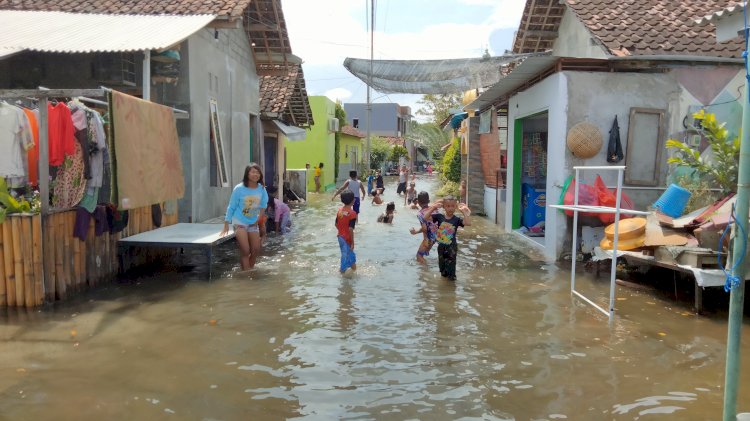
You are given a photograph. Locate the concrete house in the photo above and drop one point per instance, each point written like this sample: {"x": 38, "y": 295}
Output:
{"x": 351, "y": 151}
{"x": 207, "y": 64}
{"x": 319, "y": 145}
{"x": 389, "y": 120}
{"x": 645, "y": 62}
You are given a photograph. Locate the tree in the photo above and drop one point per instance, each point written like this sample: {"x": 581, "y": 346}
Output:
{"x": 340, "y": 114}
{"x": 380, "y": 149}
{"x": 397, "y": 152}
{"x": 430, "y": 136}
{"x": 438, "y": 106}
{"x": 452, "y": 162}
{"x": 723, "y": 168}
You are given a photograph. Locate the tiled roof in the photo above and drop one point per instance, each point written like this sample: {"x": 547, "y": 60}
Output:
{"x": 284, "y": 93}
{"x": 394, "y": 141}
{"x": 351, "y": 131}
{"x": 233, "y": 8}
{"x": 655, "y": 27}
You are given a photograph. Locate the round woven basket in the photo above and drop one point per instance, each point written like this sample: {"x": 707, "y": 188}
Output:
{"x": 584, "y": 140}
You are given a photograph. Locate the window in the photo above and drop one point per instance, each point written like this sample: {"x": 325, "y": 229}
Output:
{"x": 218, "y": 167}
{"x": 645, "y": 143}
{"x": 355, "y": 123}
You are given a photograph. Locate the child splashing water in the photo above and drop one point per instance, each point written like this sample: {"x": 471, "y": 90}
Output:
{"x": 387, "y": 217}
{"x": 426, "y": 227}
{"x": 448, "y": 224}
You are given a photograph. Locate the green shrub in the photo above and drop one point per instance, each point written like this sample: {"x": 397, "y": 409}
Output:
{"x": 450, "y": 188}
{"x": 451, "y": 170}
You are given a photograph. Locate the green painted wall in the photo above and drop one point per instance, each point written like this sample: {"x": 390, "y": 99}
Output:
{"x": 352, "y": 142}
{"x": 319, "y": 146}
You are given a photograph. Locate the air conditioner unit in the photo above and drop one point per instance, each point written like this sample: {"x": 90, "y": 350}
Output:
{"x": 333, "y": 124}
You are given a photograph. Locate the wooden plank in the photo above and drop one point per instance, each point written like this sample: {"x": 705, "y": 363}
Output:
{"x": 61, "y": 286}
{"x": 18, "y": 261}
{"x": 28, "y": 260}
{"x": 36, "y": 228}
{"x": 10, "y": 268}
{"x": 49, "y": 93}
{"x": 76, "y": 245}
{"x": 49, "y": 259}
{"x": 3, "y": 300}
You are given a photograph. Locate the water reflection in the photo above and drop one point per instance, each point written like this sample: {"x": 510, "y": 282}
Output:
{"x": 506, "y": 341}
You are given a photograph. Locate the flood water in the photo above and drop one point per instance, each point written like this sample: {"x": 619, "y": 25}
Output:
{"x": 295, "y": 340}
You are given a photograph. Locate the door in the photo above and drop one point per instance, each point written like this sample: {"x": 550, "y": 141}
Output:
{"x": 270, "y": 167}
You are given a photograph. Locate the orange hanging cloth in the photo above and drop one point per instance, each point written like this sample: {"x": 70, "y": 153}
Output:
{"x": 33, "y": 152}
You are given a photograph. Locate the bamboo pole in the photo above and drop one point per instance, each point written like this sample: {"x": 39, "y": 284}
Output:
{"x": 90, "y": 254}
{"x": 3, "y": 300}
{"x": 49, "y": 259}
{"x": 36, "y": 226}
{"x": 61, "y": 286}
{"x": 27, "y": 260}
{"x": 76, "y": 245}
{"x": 68, "y": 260}
{"x": 18, "y": 261}
{"x": 10, "y": 268}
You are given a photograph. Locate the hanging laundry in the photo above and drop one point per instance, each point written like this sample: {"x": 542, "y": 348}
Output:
{"x": 15, "y": 139}
{"x": 80, "y": 123}
{"x": 70, "y": 185}
{"x": 33, "y": 152}
{"x": 61, "y": 133}
{"x": 614, "y": 147}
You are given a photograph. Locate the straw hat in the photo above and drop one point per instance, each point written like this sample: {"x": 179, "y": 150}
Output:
{"x": 585, "y": 140}
{"x": 631, "y": 234}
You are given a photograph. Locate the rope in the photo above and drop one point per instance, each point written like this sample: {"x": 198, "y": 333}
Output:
{"x": 732, "y": 281}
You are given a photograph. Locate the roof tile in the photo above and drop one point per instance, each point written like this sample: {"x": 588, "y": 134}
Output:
{"x": 655, "y": 27}
{"x": 231, "y": 8}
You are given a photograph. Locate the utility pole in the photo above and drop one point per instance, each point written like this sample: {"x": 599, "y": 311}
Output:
{"x": 737, "y": 297}
{"x": 369, "y": 83}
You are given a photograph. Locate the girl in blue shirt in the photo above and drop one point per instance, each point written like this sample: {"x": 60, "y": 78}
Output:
{"x": 248, "y": 201}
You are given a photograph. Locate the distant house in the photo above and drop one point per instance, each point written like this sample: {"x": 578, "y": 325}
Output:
{"x": 209, "y": 67}
{"x": 389, "y": 120}
{"x": 319, "y": 144}
{"x": 644, "y": 61}
{"x": 350, "y": 152}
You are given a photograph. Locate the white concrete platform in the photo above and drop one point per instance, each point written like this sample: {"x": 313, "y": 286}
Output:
{"x": 191, "y": 236}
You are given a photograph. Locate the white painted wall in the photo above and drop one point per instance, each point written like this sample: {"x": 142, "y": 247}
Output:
{"x": 574, "y": 40}
{"x": 549, "y": 95}
{"x": 495, "y": 199}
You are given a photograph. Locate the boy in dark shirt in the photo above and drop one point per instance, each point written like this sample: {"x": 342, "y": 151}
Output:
{"x": 448, "y": 224}
{"x": 346, "y": 219}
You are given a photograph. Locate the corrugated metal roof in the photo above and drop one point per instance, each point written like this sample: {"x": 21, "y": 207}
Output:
{"x": 520, "y": 74}
{"x": 61, "y": 32}
{"x": 712, "y": 18}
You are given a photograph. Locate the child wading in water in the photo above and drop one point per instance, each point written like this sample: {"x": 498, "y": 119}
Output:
{"x": 387, "y": 217}
{"x": 376, "y": 200}
{"x": 346, "y": 219}
{"x": 426, "y": 227}
{"x": 446, "y": 233}
{"x": 410, "y": 198}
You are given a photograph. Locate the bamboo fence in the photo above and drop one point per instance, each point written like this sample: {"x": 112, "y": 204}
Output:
{"x": 41, "y": 261}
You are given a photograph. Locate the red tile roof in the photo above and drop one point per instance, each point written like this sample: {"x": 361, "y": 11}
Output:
{"x": 351, "y": 131}
{"x": 655, "y": 27}
{"x": 284, "y": 93}
{"x": 231, "y": 8}
{"x": 394, "y": 141}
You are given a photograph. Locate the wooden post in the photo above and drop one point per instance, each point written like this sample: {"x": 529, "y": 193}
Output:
{"x": 3, "y": 300}
{"x": 68, "y": 262}
{"x": 18, "y": 261}
{"x": 36, "y": 227}
{"x": 44, "y": 155}
{"x": 27, "y": 243}
{"x": 10, "y": 268}
{"x": 49, "y": 258}
{"x": 76, "y": 246}
{"x": 61, "y": 286}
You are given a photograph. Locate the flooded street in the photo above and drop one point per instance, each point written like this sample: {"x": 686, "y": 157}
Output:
{"x": 296, "y": 340}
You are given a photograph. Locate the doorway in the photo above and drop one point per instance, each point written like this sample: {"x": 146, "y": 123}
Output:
{"x": 270, "y": 152}
{"x": 530, "y": 176}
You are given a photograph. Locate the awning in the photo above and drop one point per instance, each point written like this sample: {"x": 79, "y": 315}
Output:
{"x": 292, "y": 133}
{"x": 61, "y": 32}
{"x": 529, "y": 68}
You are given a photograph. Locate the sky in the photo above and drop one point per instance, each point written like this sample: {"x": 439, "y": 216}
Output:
{"x": 325, "y": 32}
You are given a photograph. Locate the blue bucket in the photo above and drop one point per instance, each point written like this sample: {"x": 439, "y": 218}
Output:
{"x": 673, "y": 201}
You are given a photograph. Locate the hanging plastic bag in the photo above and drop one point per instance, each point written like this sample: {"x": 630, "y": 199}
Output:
{"x": 587, "y": 196}
{"x": 608, "y": 198}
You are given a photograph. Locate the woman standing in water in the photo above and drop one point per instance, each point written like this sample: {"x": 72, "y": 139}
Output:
{"x": 248, "y": 201}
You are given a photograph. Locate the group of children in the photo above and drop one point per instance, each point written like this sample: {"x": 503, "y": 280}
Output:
{"x": 249, "y": 207}
{"x": 435, "y": 227}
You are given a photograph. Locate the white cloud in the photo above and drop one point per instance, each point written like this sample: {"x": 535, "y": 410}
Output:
{"x": 340, "y": 94}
